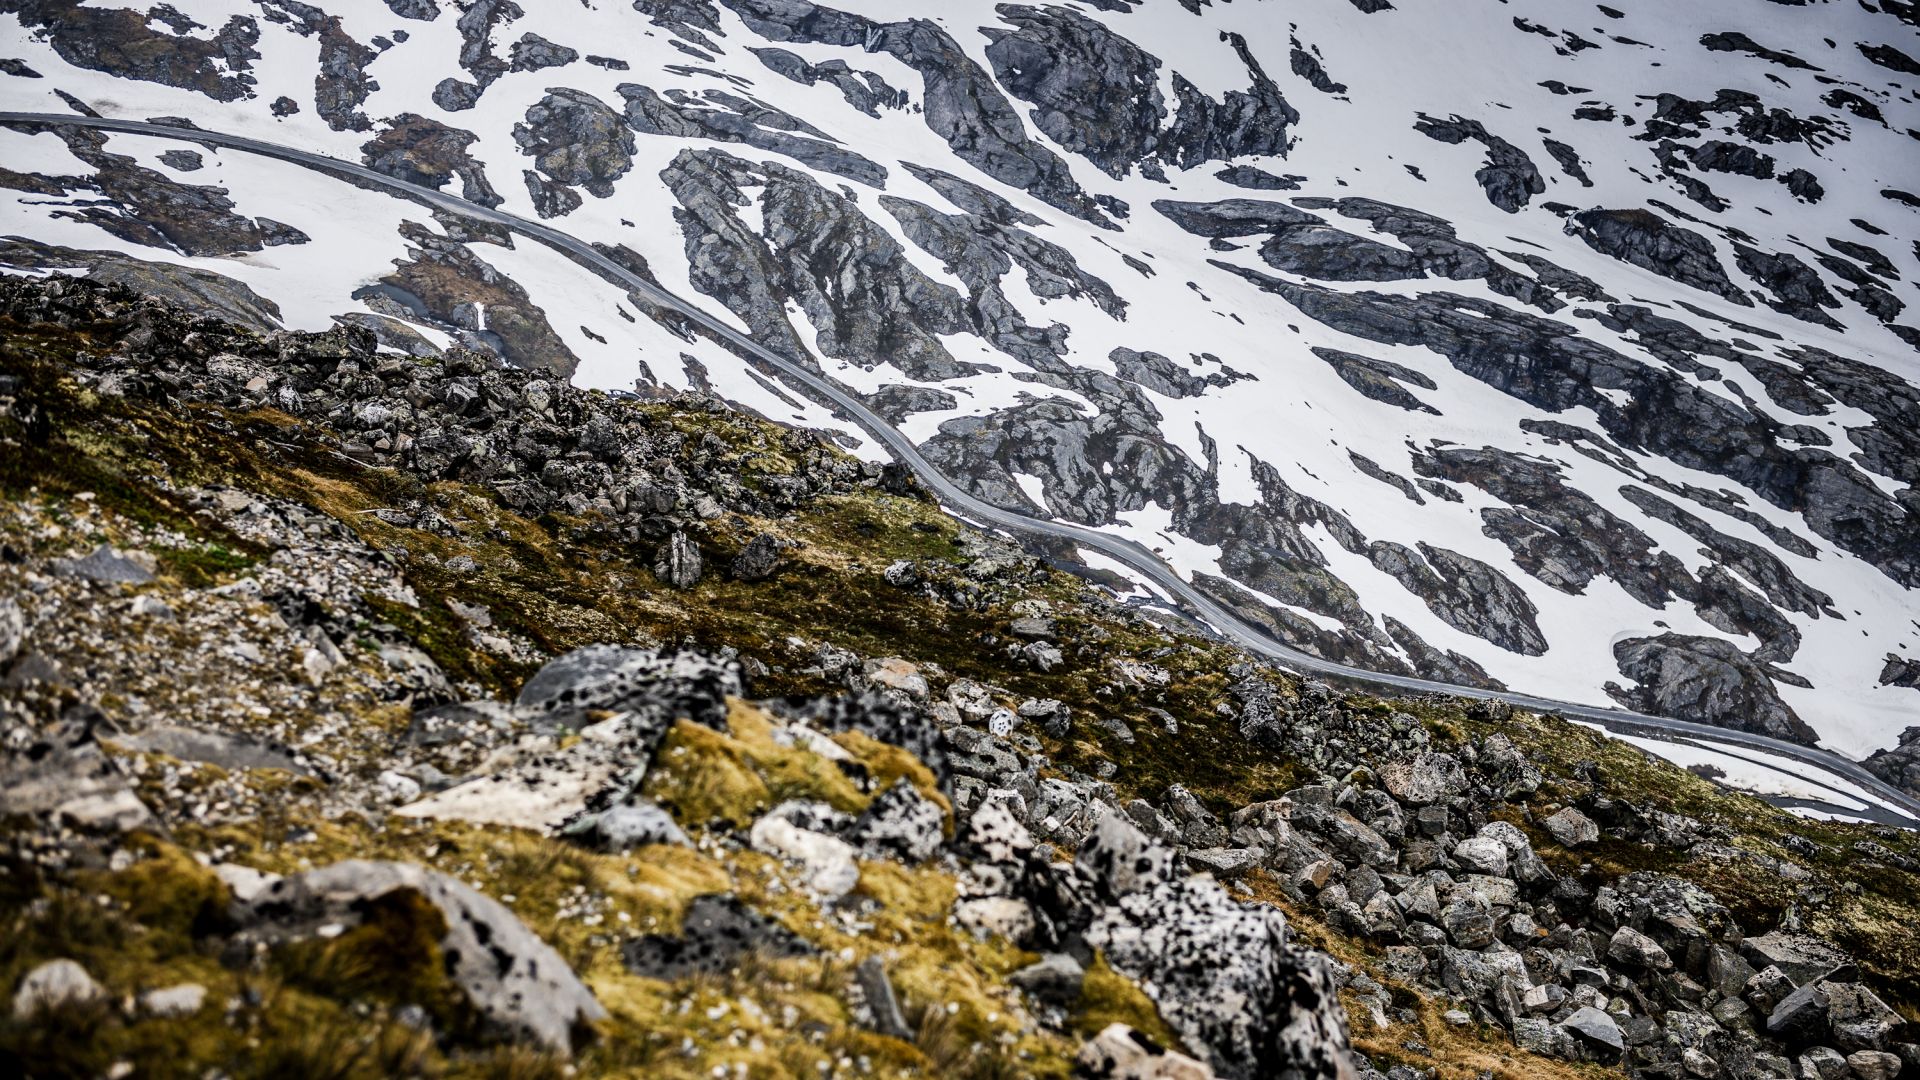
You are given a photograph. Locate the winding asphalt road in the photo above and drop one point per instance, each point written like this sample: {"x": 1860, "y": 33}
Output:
{"x": 1137, "y": 557}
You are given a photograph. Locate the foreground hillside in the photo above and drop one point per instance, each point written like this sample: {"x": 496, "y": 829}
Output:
{"x": 1560, "y": 347}
{"x": 365, "y": 714}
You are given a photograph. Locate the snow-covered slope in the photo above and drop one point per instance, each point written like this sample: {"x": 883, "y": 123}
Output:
{"x": 1570, "y": 347}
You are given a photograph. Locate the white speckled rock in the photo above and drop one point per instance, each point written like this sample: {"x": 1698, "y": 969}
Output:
{"x": 510, "y": 976}
{"x": 825, "y": 861}
{"x": 53, "y": 985}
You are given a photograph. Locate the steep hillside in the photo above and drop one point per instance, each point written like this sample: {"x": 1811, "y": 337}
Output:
{"x": 1555, "y": 346}
{"x": 714, "y": 751}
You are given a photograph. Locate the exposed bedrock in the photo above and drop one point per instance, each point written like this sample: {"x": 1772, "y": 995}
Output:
{"x": 864, "y": 297}
{"x": 1466, "y": 593}
{"x": 1651, "y": 242}
{"x": 147, "y": 207}
{"x": 1509, "y": 177}
{"x": 1707, "y": 680}
{"x": 1549, "y": 365}
{"x": 960, "y": 101}
{"x": 726, "y": 118}
{"x": 128, "y": 43}
{"x": 426, "y": 152}
{"x": 575, "y": 139}
{"x": 1900, "y": 765}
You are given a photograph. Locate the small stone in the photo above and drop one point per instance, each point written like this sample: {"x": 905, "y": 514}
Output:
{"x": 1224, "y": 862}
{"x": 995, "y": 916}
{"x": 758, "y": 560}
{"x": 1634, "y": 949}
{"x": 1482, "y": 855}
{"x": 398, "y": 788}
{"x": 1873, "y": 1065}
{"x": 1121, "y": 1053}
{"x": 1055, "y": 978}
{"x": 633, "y": 825}
{"x": 1596, "y": 1028}
{"x": 1571, "y": 828}
{"x": 13, "y": 629}
{"x": 55, "y": 984}
{"x": 827, "y": 862}
{"x": 882, "y": 1003}
{"x": 897, "y": 674}
{"x": 145, "y": 606}
{"x": 182, "y": 1000}
{"x": 108, "y": 566}
{"x": 1823, "y": 1063}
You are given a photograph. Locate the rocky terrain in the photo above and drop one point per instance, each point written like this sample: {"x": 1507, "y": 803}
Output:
{"x": 371, "y": 714}
{"x": 1588, "y": 372}
{"x": 420, "y": 654}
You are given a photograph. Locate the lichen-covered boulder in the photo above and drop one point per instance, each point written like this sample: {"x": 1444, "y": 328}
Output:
{"x": 508, "y": 975}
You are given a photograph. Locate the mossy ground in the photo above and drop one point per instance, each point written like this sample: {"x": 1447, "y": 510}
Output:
{"x": 554, "y": 584}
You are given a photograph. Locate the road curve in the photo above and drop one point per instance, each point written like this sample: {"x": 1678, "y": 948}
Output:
{"x": 1199, "y": 605}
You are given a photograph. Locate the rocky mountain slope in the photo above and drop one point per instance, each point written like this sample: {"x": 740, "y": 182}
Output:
{"x": 1583, "y": 367}
{"x": 366, "y": 715}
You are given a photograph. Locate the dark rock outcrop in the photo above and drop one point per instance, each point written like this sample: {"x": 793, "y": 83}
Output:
{"x": 1705, "y": 679}
{"x": 422, "y": 151}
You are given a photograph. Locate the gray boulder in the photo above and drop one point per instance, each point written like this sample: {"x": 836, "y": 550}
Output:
{"x": 1425, "y": 778}
{"x": 900, "y": 823}
{"x": 1598, "y": 1030}
{"x": 1482, "y": 855}
{"x": 1633, "y": 949}
{"x": 55, "y": 984}
{"x": 1874, "y": 1065}
{"x": 1800, "y": 956}
{"x": 510, "y": 977}
{"x": 107, "y": 566}
{"x": 677, "y": 562}
{"x": 758, "y": 560}
{"x": 1570, "y": 828}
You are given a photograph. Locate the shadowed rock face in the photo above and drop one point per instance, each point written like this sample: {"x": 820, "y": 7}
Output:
{"x": 125, "y": 42}
{"x": 1509, "y": 177}
{"x": 1095, "y": 93}
{"x": 1650, "y": 242}
{"x": 1680, "y": 675}
{"x": 342, "y": 85}
{"x": 421, "y": 151}
{"x": 147, "y": 207}
{"x": 962, "y": 105}
{"x": 186, "y": 286}
{"x": 575, "y": 139}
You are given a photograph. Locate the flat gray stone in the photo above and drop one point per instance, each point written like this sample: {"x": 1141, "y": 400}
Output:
{"x": 106, "y": 566}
